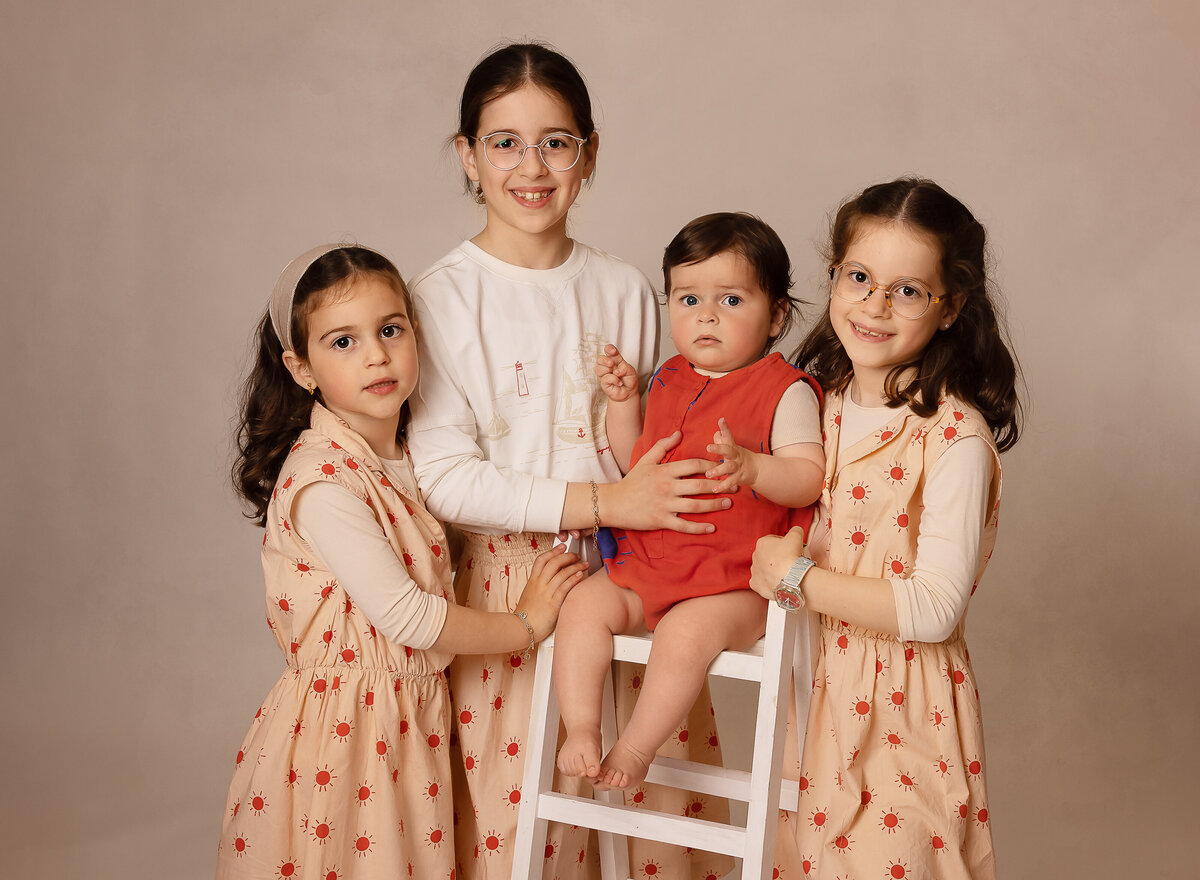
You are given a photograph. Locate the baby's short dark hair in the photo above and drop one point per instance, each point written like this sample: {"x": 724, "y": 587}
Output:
{"x": 743, "y": 234}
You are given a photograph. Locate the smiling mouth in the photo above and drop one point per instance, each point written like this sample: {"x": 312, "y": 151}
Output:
{"x": 529, "y": 196}
{"x": 381, "y": 386}
{"x": 870, "y": 334}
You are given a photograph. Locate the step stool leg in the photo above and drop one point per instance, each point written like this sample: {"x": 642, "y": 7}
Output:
{"x": 614, "y": 848}
{"x": 774, "y": 700}
{"x": 539, "y": 768}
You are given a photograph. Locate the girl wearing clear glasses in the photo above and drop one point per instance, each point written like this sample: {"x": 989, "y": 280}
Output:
{"x": 508, "y": 429}
{"x": 921, "y": 399}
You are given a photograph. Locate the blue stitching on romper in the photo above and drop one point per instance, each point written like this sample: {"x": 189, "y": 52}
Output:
{"x": 626, "y": 552}
{"x": 658, "y": 379}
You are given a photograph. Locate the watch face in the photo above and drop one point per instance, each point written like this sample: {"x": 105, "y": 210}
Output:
{"x": 788, "y": 600}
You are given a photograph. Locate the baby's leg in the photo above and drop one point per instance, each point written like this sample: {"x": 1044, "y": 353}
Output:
{"x": 686, "y": 641}
{"x": 591, "y": 614}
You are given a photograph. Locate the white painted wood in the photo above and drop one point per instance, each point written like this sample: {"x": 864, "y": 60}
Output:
{"x": 643, "y": 823}
{"x": 614, "y": 848}
{"x": 539, "y": 769}
{"x": 768, "y": 662}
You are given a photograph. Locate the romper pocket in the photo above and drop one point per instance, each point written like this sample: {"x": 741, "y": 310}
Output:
{"x": 652, "y": 542}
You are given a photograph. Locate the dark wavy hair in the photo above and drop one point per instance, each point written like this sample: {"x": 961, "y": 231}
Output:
{"x": 510, "y": 67}
{"x": 743, "y": 234}
{"x": 971, "y": 360}
{"x": 273, "y": 408}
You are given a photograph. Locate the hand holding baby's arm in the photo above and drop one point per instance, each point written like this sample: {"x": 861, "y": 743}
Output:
{"x": 617, "y": 378}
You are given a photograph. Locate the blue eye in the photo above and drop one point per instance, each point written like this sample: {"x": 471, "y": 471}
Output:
{"x": 732, "y": 299}
{"x": 689, "y": 299}
{"x": 343, "y": 342}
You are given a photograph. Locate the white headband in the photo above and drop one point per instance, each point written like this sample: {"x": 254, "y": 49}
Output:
{"x": 285, "y": 290}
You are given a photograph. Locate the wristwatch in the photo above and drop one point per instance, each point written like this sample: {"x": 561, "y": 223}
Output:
{"x": 787, "y": 594}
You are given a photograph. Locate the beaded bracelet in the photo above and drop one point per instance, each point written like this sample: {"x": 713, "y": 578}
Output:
{"x": 521, "y": 616}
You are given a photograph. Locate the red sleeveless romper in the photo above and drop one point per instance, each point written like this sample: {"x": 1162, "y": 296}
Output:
{"x": 664, "y": 567}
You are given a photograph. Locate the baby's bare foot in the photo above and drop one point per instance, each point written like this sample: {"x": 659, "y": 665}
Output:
{"x": 580, "y": 754}
{"x": 624, "y": 767}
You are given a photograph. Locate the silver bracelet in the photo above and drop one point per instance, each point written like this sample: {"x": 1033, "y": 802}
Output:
{"x": 521, "y": 616}
{"x": 595, "y": 518}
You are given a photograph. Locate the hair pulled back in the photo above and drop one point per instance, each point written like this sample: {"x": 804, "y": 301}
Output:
{"x": 273, "y": 408}
{"x": 744, "y": 234}
{"x": 509, "y": 68}
{"x": 971, "y": 359}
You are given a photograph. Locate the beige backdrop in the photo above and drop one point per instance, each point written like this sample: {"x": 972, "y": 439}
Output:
{"x": 161, "y": 161}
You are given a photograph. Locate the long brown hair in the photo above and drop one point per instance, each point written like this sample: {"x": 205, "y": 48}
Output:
{"x": 971, "y": 360}
{"x": 273, "y": 408}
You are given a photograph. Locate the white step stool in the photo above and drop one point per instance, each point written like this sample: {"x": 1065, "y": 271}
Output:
{"x": 769, "y": 661}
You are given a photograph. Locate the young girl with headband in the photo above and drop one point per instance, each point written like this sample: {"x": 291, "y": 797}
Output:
{"x": 345, "y": 771}
{"x": 921, "y": 400}
{"x": 508, "y": 431}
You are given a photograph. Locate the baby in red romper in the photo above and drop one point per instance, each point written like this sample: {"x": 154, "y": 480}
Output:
{"x": 727, "y": 281}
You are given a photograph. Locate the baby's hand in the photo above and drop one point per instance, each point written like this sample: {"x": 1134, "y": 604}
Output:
{"x": 739, "y": 466}
{"x": 617, "y": 377}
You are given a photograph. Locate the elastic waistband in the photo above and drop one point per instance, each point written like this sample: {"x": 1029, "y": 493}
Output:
{"x": 347, "y": 671}
{"x": 517, "y": 547}
{"x": 839, "y": 627}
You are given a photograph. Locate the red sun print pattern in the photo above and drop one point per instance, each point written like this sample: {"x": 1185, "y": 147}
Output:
{"x": 857, "y": 537}
{"x": 327, "y": 781}
{"x": 491, "y": 720}
{"x": 894, "y": 736}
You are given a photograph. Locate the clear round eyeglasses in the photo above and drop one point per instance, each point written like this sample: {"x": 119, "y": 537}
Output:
{"x": 504, "y": 150}
{"x": 907, "y": 297}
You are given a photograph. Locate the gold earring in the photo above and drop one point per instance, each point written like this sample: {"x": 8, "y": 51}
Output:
{"x": 312, "y": 389}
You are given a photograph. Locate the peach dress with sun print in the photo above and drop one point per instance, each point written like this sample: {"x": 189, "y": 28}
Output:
{"x": 892, "y": 776}
{"x": 345, "y": 772}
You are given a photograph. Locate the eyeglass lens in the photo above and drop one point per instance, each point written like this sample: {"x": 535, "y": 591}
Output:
{"x": 908, "y": 297}
{"x": 506, "y": 151}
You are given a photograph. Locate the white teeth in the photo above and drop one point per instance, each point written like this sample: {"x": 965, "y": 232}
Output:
{"x": 865, "y": 332}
